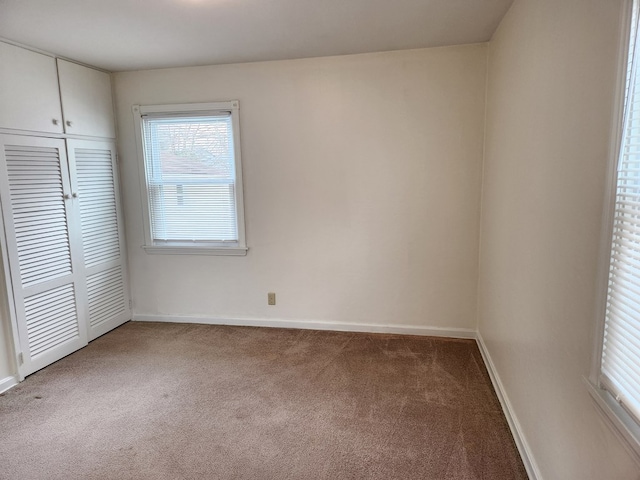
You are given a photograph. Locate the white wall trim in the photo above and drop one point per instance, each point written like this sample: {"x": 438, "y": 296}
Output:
{"x": 611, "y": 187}
{"x": 312, "y": 325}
{"x": 7, "y": 383}
{"x": 523, "y": 447}
{"x": 623, "y": 426}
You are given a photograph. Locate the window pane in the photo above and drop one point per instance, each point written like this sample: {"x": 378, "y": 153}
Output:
{"x": 191, "y": 178}
{"x": 621, "y": 348}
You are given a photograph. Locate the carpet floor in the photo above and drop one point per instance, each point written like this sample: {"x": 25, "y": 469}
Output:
{"x": 176, "y": 401}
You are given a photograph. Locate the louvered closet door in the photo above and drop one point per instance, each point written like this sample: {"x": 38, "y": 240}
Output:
{"x": 38, "y": 212}
{"x": 94, "y": 179}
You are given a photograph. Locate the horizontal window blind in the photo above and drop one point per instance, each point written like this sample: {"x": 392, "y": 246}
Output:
{"x": 190, "y": 168}
{"x": 620, "y": 369}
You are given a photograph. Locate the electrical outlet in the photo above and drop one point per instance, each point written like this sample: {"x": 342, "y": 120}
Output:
{"x": 271, "y": 298}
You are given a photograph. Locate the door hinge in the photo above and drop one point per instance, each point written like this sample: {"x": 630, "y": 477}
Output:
{"x": 20, "y": 358}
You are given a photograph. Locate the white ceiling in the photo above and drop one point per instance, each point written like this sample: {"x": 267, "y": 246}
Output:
{"x": 138, "y": 34}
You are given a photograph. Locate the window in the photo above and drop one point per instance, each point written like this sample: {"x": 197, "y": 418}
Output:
{"x": 615, "y": 384}
{"x": 190, "y": 159}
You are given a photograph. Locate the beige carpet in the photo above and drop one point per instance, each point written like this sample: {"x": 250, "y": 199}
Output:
{"x": 169, "y": 401}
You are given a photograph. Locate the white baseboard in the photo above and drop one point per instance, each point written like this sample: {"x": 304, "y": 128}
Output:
{"x": 7, "y": 383}
{"x": 523, "y": 447}
{"x": 312, "y": 325}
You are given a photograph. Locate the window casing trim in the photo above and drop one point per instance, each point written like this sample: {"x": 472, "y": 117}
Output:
{"x": 194, "y": 250}
{"x": 621, "y": 422}
{"x": 238, "y": 247}
{"x": 617, "y": 417}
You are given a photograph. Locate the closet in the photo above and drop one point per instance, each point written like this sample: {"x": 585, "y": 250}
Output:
{"x": 63, "y": 246}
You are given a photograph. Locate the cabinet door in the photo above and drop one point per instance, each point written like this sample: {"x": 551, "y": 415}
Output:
{"x": 86, "y": 100}
{"x": 40, "y": 218}
{"x": 29, "y": 96}
{"x": 94, "y": 180}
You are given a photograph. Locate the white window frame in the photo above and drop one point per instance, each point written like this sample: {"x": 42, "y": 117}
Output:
{"x": 183, "y": 248}
{"x": 623, "y": 424}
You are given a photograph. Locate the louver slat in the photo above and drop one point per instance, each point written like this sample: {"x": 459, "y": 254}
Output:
{"x": 36, "y": 192}
{"x": 51, "y": 323}
{"x": 98, "y": 212}
{"x": 106, "y": 296}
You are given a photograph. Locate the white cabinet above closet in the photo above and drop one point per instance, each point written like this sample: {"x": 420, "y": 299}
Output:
{"x": 42, "y": 94}
{"x": 29, "y": 96}
{"x": 86, "y": 100}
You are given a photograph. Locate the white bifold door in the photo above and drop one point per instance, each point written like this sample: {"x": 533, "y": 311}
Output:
{"x": 63, "y": 233}
{"x": 94, "y": 183}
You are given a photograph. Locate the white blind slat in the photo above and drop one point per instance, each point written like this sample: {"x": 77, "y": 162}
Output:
{"x": 190, "y": 167}
{"x": 620, "y": 365}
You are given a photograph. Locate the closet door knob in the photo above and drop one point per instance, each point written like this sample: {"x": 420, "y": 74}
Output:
{"x": 69, "y": 123}
{"x": 67, "y": 196}
{"x": 55, "y": 121}
{"x": 75, "y": 195}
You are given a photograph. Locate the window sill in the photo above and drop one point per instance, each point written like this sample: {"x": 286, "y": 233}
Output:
{"x": 193, "y": 250}
{"x": 622, "y": 424}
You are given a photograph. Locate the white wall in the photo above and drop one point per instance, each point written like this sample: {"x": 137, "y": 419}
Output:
{"x": 362, "y": 185}
{"x": 552, "y": 68}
